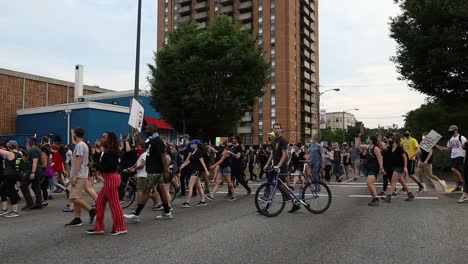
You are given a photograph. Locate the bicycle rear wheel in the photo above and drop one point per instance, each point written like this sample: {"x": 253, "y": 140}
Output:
{"x": 129, "y": 197}
{"x": 317, "y": 197}
{"x": 269, "y": 200}
{"x": 173, "y": 190}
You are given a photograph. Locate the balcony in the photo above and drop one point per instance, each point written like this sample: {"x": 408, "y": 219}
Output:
{"x": 226, "y": 2}
{"x": 202, "y": 6}
{"x": 244, "y": 130}
{"x": 247, "y": 26}
{"x": 185, "y": 10}
{"x": 185, "y": 2}
{"x": 247, "y": 117}
{"x": 245, "y": 16}
{"x": 184, "y": 19}
{"x": 200, "y": 17}
{"x": 226, "y": 10}
{"x": 245, "y": 5}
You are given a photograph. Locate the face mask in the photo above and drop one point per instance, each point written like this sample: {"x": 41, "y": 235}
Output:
{"x": 234, "y": 141}
{"x": 390, "y": 143}
{"x": 277, "y": 131}
{"x": 407, "y": 135}
{"x": 193, "y": 146}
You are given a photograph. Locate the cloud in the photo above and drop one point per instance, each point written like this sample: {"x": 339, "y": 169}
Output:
{"x": 355, "y": 51}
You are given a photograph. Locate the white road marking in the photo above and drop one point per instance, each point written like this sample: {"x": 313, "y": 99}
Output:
{"x": 369, "y": 196}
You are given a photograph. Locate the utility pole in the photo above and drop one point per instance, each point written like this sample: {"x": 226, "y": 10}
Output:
{"x": 137, "y": 63}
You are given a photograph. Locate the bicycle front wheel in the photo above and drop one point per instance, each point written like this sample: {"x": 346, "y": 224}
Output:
{"x": 129, "y": 197}
{"x": 269, "y": 200}
{"x": 317, "y": 197}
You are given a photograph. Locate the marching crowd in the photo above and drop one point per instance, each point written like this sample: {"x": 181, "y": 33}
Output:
{"x": 49, "y": 167}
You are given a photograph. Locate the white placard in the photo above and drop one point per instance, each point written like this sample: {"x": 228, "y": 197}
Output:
{"x": 323, "y": 118}
{"x": 430, "y": 140}
{"x": 137, "y": 112}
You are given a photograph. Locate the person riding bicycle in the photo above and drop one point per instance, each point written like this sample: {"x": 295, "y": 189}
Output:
{"x": 279, "y": 157}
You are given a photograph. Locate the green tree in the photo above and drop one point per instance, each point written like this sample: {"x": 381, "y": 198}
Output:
{"x": 203, "y": 81}
{"x": 432, "y": 37}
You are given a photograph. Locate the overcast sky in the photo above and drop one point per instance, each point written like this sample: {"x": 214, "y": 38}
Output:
{"x": 49, "y": 37}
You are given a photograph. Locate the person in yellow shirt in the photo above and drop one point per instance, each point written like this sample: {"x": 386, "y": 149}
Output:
{"x": 410, "y": 146}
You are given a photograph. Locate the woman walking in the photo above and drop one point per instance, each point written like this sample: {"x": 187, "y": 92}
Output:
{"x": 400, "y": 168}
{"x": 197, "y": 167}
{"x": 372, "y": 166}
{"x": 107, "y": 165}
{"x": 10, "y": 177}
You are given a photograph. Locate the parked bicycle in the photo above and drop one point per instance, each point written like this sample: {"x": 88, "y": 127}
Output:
{"x": 271, "y": 197}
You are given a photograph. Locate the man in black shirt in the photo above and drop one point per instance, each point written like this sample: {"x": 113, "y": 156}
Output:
{"x": 185, "y": 150}
{"x": 157, "y": 167}
{"x": 279, "y": 157}
{"x": 236, "y": 163}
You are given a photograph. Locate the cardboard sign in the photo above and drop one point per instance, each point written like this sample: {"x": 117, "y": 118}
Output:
{"x": 137, "y": 112}
{"x": 323, "y": 118}
{"x": 430, "y": 140}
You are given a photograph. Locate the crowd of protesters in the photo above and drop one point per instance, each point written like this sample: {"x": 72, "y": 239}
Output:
{"x": 47, "y": 168}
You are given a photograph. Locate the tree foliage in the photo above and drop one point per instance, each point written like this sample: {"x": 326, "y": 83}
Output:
{"x": 432, "y": 51}
{"x": 203, "y": 81}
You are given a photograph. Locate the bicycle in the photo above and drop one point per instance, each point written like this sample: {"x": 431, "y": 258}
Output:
{"x": 130, "y": 191}
{"x": 315, "y": 196}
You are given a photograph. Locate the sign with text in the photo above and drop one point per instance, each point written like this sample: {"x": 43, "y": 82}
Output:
{"x": 430, "y": 140}
{"x": 323, "y": 118}
{"x": 137, "y": 112}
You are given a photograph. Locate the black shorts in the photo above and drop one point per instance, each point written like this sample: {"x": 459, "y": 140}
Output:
{"x": 457, "y": 163}
{"x": 371, "y": 172}
{"x": 411, "y": 166}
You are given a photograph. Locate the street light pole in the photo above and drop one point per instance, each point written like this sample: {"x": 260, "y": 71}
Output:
{"x": 137, "y": 63}
{"x": 318, "y": 102}
{"x": 343, "y": 120}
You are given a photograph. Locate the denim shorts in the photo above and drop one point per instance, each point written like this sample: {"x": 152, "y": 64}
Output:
{"x": 226, "y": 171}
{"x": 398, "y": 170}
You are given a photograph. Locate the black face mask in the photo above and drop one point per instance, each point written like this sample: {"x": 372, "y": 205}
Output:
{"x": 451, "y": 133}
{"x": 407, "y": 135}
{"x": 390, "y": 143}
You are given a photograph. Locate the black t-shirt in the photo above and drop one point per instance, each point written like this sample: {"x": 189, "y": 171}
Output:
{"x": 155, "y": 148}
{"x": 372, "y": 162}
{"x": 279, "y": 144}
{"x": 337, "y": 157}
{"x": 236, "y": 164}
{"x": 195, "y": 164}
{"x": 107, "y": 162}
{"x": 129, "y": 158}
{"x": 424, "y": 155}
{"x": 387, "y": 158}
{"x": 295, "y": 160}
{"x": 219, "y": 154}
{"x": 263, "y": 157}
{"x": 251, "y": 157}
{"x": 397, "y": 158}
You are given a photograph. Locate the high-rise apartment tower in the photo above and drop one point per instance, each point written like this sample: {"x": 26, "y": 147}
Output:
{"x": 288, "y": 31}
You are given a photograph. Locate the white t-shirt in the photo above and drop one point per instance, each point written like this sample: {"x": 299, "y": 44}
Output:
{"x": 457, "y": 146}
{"x": 142, "y": 172}
{"x": 68, "y": 156}
{"x": 81, "y": 149}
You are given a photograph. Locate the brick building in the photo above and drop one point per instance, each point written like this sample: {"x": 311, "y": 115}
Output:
{"x": 20, "y": 90}
{"x": 288, "y": 31}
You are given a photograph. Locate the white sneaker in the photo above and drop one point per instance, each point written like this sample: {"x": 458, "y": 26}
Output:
{"x": 133, "y": 217}
{"x": 3, "y": 212}
{"x": 165, "y": 216}
{"x": 444, "y": 184}
{"x": 463, "y": 198}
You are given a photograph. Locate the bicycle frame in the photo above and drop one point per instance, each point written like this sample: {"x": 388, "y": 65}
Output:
{"x": 278, "y": 180}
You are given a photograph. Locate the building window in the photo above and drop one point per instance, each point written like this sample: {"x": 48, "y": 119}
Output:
{"x": 273, "y": 112}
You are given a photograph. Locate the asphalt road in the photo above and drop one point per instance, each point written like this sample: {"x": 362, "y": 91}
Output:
{"x": 427, "y": 230}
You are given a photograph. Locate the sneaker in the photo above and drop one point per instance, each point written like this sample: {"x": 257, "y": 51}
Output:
{"x": 185, "y": 205}
{"x": 38, "y": 207}
{"x": 157, "y": 207}
{"x": 209, "y": 197}
{"x": 294, "y": 208}
{"x": 11, "y": 214}
{"x": 232, "y": 199}
{"x": 374, "y": 202}
{"x": 444, "y": 184}
{"x": 75, "y": 222}
{"x": 92, "y": 215}
{"x": 387, "y": 199}
{"x": 50, "y": 197}
{"x": 94, "y": 232}
{"x": 3, "y": 212}
{"x": 67, "y": 210}
{"x": 249, "y": 192}
{"x": 420, "y": 190}
{"x": 201, "y": 204}
{"x": 44, "y": 204}
{"x": 116, "y": 233}
{"x": 457, "y": 189}
{"x": 133, "y": 217}
{"x": 463, "y": 198}
{"x": 394, "y": 194}
{"x": 410, "y": 197}
{"x": 27, "y": 208}
{"x": 382, "y": 194}
{"x": 165, "y": 216}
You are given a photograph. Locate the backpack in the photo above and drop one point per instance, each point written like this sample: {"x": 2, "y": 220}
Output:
{"x": 49, "y": 171}
{"x": 20, "y": 163}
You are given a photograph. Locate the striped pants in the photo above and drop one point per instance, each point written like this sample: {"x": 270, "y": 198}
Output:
{"x": 110, "y": 193}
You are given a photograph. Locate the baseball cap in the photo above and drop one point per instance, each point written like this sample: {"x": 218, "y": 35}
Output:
{"x": 195, "y": 141}
{"x": 12, "y": 143}
{"x": 186, "y": 136}
{"x": 453, "y": 128}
